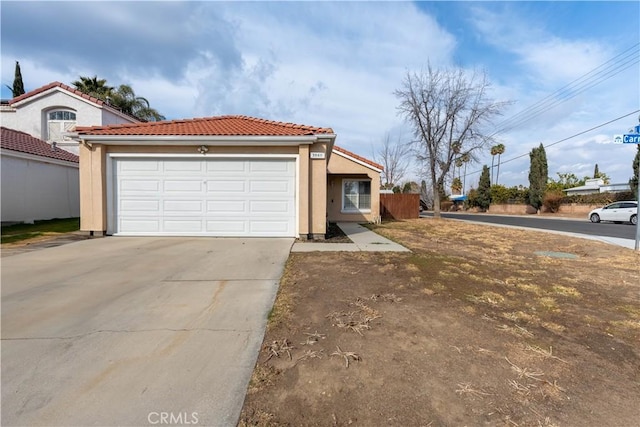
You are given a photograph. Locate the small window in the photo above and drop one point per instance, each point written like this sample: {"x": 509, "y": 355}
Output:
{"x": 62, "y": 115}
{"x": 356, "y": 196}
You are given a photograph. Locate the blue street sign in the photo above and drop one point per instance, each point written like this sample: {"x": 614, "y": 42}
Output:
{"x": 631, "y": 138}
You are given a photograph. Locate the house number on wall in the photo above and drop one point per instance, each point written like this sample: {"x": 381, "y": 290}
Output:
{"x": 316, "y": 155}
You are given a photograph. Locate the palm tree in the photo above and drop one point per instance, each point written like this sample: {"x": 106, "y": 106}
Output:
{"x": 123, "y": 97}
{"x": 126, "y": 100}
{"x": 93, "y": 86}
{"x": 500, "y": 151}
{"x": 494, "y": 151}
{"x": 465, "y": 159}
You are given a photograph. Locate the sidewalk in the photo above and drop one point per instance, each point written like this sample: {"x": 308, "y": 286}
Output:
{"x": 363, "y": 240}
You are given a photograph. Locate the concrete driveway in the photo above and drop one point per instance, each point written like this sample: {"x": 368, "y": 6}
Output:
{"x": 135, "y": 331}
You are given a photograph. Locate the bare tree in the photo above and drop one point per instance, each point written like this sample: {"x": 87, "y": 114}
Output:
{"x": 395, "y": 159}
{"x": 448, "y": 110}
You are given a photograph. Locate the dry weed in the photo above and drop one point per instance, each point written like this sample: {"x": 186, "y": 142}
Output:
{"x": 524, "y": 372}
{"x": 385, "y": 297}
{"x": 523, "y": 389}
{"x": 346, "y": 355}
{"x": 547, "y": 354}
{"x": 466, "y": 388}
{"x": 313, "y": 338}
{"x": 310, "y": 354}
{"x": 276, "y": 348}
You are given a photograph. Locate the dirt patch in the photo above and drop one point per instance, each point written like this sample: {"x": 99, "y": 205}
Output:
{"x": 334, "y": 235}
{"x": 472, "y": 328}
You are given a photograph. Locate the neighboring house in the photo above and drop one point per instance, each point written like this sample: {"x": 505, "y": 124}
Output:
{"x": 597, "y": 185}
{"x": 39, "y": 181}
{"x": 220, "y": 176}
{"x": 50, "y": 111}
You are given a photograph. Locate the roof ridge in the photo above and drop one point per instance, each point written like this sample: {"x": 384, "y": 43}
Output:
{"x": 74, "y": 91}
{"x": 199, "y": 123}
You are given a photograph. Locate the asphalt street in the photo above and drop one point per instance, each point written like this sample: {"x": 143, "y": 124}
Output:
{"x": 576, "y": 226}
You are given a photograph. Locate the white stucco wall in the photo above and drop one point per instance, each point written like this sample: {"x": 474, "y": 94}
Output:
{"x": 35, "y": 189}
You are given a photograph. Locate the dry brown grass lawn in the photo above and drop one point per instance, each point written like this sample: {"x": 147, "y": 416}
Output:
{"x": 471, "y": 328}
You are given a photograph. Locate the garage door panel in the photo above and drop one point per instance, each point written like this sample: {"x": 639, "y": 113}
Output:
{"x": 132, "y": 225}
{"x": 140, "y": 166}
{"x": 142, "y": 206}
{"x": 182, "y": 206}
{"x": 226, "y": 186}
{"x": 274, "y": 186}
{"x": 274, "y": 206}
{"x": 182, "y": 226}
{"x": 224, "y": 168}
{"x": 183, "y": 186}
{"x": 182, "y": 167}
{"x": 271, "y": 168}
{"x": 139, "y": 186}
{"x": 226, "y": 206}
{"x": 209, "y": 197}
{"x": 227, "y": 227}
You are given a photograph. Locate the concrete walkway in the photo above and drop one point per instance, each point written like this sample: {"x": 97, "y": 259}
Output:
{"x": 363, "y": 240}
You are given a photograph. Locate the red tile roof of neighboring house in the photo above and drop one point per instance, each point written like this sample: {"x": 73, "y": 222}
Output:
{"x": 51, "y": 86}
{"x": 73, "y": 90}
{"x": 14, "y": 140}
{"x": 355, "y": 156}
{"x": 208, "y": 126}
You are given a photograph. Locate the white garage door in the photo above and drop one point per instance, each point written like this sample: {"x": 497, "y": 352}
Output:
{"x": 204, "y": 197}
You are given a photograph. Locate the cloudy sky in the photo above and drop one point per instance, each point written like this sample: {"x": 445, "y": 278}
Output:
{"x": 566, "y": 67}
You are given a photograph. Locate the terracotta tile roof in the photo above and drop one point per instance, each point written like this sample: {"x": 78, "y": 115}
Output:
{"x": 14, "y": 140}
{"x": 208, "y": 126}
{"x": 51, "y": 86}
{"x": 355, "y": 156}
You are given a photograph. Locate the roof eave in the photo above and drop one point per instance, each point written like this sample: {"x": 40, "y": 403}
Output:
{"x": 219, "y": 140}
{"x": 358, "y": 161}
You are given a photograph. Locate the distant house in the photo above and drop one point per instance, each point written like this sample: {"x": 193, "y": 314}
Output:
{"x": 48, "y": 112}
{"x": 39, "y": 181}
{"x": 597, "y": 185}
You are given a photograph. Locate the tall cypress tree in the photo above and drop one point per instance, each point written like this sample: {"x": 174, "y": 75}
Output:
{"x": 596, "y": 172}
{"x": 18, "y": 86}
{"x": 633, "y": 182}
{"x": 538, "y": 176}
{"x": 483, "y": 200}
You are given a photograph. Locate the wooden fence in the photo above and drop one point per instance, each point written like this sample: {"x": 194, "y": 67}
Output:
{"x": 399, "y": 206}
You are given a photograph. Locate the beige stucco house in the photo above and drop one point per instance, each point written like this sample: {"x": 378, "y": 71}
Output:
{"x": 221, "y": 176}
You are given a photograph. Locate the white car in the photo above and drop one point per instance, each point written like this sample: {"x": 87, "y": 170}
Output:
{"x": 625, "y": 211}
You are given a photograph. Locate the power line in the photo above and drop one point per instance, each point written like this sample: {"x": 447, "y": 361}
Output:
{"x": 564, "y": 139}
{"x": 603, "y": 72}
